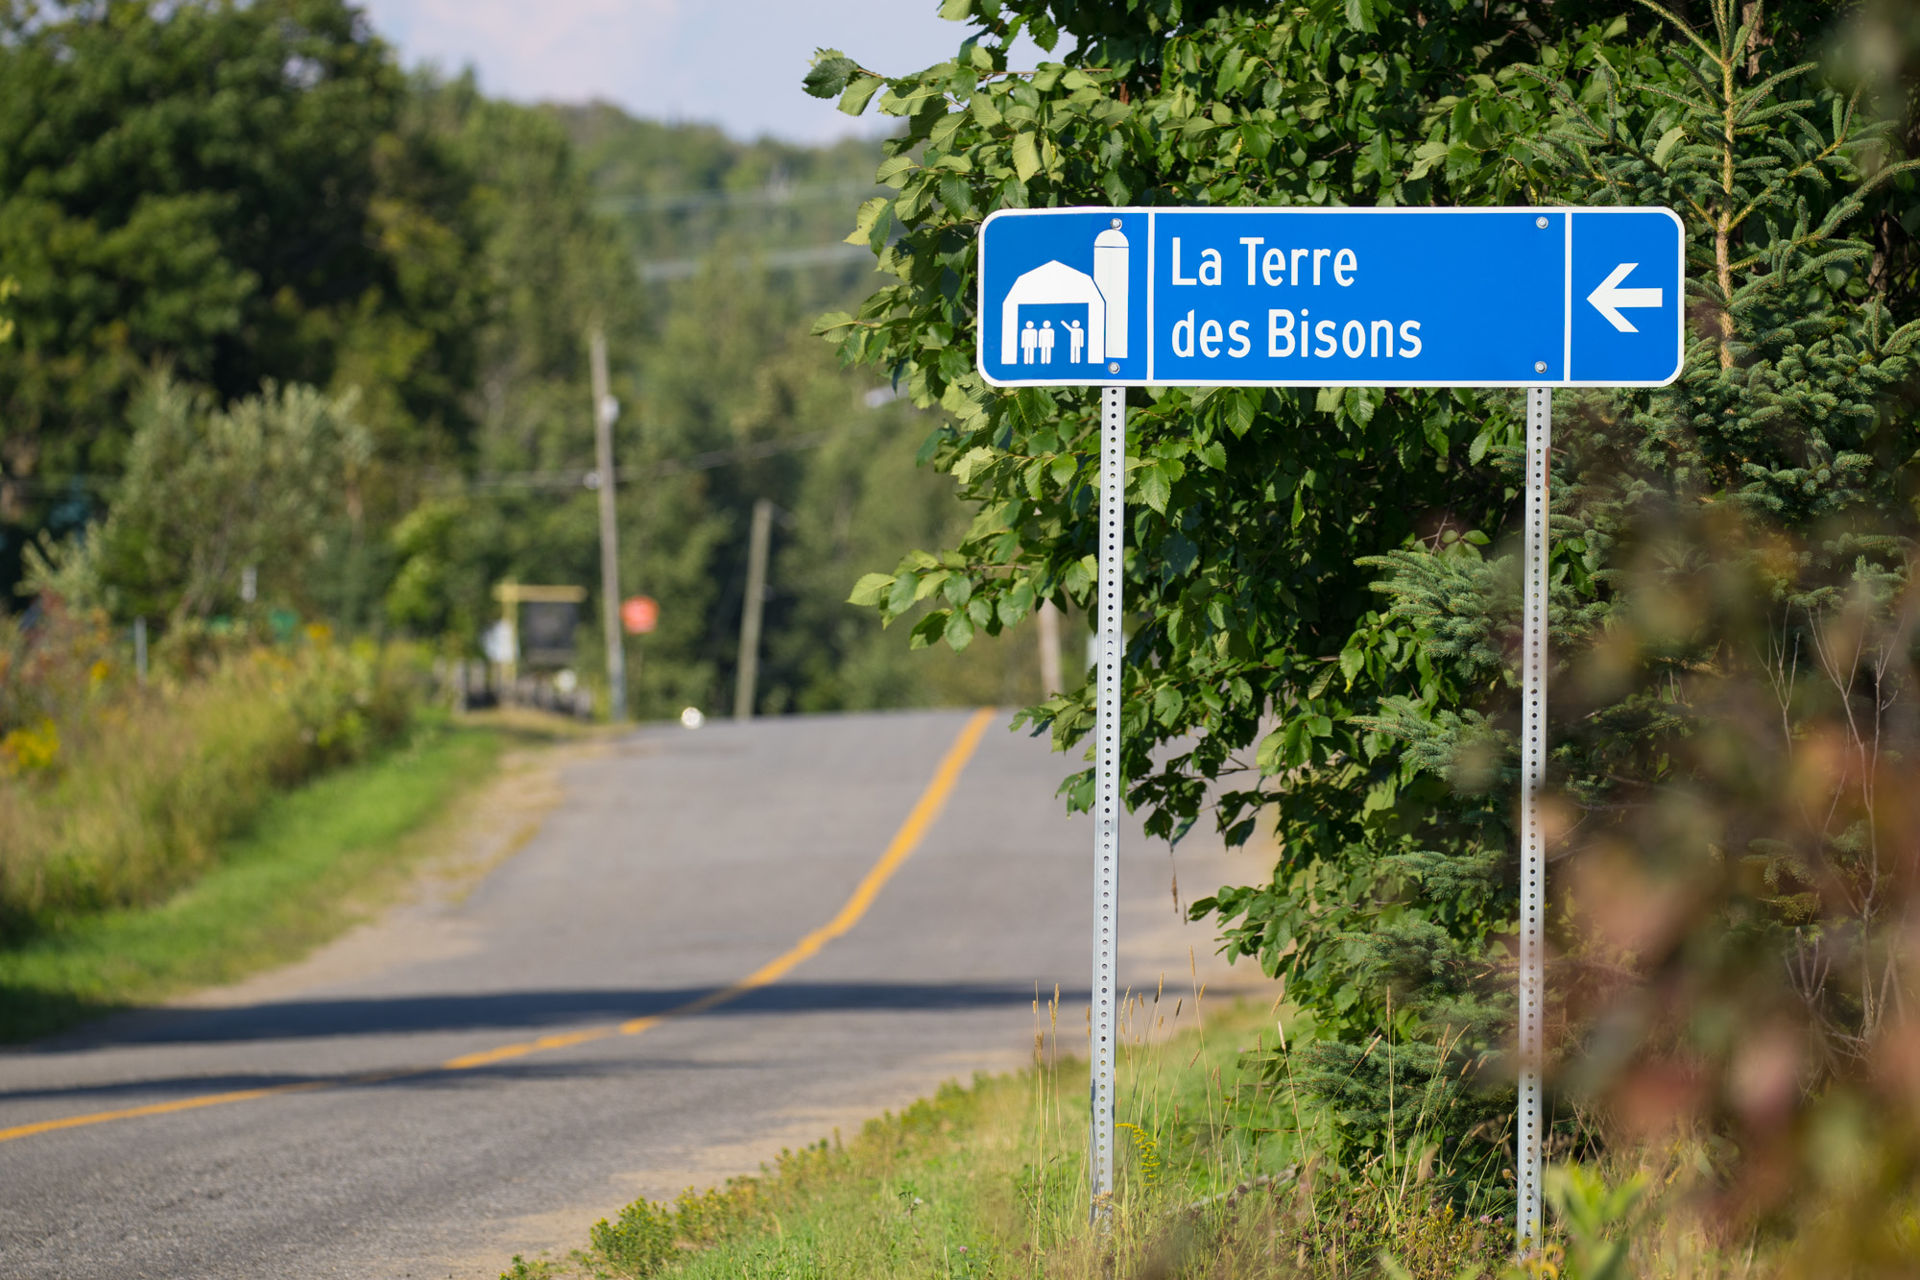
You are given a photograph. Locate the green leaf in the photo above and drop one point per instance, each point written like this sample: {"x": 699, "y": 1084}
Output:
{"x": 831, "y": 71}
{"x": 956, "y": 10}
{"x": 958, "y": 632}
{"x": 901, "y": 598}
{"x": 958, "y": 589}
{"x": 1321, "y": 681}
{"x": 1026, "y": 158}
{"x": 930, "y": 583}
{"x": 1016, "y": 602}
{"x": 1155, "y": 487}
{"x": 972, "y": 462}
{"x": 866, "y": 219}
{"x": 1241, "y": 411}
{"x": 928, "y": 629}
{"x": 871, "y": 589}
{"x": 859, "y": 94}
{"x": 1079, "y": 574}
{"x": 1478, "y": 449}
{"x": 956, "y": 196}
{"x": 1668, "y": 141}
{"x": 1360, "y": 404}
{"x": 891, "y": 168}
{"x": 1269, "y": 757}
{"x": 829, "y": 322}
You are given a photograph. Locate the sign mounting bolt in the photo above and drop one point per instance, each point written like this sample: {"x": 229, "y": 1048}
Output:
{"x": 1539, "y": 366}
{"x": 1116, "y": 224}
{"x": 1113, "y": 366}
{"x": 1541, "y": 222}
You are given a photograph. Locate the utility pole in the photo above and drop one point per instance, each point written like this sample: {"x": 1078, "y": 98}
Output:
{"x": 1049, "y": 620}
{"x": 757, "y": 541}
{"x": 604, "y": 412}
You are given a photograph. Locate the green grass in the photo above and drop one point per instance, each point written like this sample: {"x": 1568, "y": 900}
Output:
{"x": 300, "y": 873}
{"x": 1214, "y": 1177}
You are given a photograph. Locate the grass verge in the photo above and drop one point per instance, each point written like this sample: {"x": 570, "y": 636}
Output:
{"x": 1215, "y": 1177}
{"x": 301, "y": 872}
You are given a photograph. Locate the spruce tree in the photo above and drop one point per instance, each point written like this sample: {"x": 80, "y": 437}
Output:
{"x": 1717, "y": 545}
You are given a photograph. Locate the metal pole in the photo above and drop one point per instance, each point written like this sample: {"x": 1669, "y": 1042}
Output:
{"x": 1533, "y": 752}
{"x": 609, "y": 530}
{"x": 756, "y": 600}
{"x": 1106, "y": 794}
{"x": 510, "y": 614}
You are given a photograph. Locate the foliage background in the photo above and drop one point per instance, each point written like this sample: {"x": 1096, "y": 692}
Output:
{"x": 237, "y": 202}
{"x": 1323, "y": 586}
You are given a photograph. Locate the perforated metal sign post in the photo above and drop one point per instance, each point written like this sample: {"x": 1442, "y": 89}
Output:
{"x": 1106, "y": 792}
{"x": 1533, "y": 298}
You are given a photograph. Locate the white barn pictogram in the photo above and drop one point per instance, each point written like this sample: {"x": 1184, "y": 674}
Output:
{"x": 1104, "y": 294}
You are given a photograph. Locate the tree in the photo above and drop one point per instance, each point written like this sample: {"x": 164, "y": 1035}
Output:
{"x": 1323, "y": 586}
{"x": 226, "y": 190}
{"x": 1733, "y": 611}
{"x": 1250, "y": 509}
{"x": 213, "y": 497}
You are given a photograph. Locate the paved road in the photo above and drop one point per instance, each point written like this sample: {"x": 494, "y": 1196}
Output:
{"x": 676, "y": 865}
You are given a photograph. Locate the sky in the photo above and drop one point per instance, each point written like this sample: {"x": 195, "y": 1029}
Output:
{"x": 735, "y": 63}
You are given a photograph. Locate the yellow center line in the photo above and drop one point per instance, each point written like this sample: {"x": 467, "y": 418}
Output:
{"x": 925, "y": 810}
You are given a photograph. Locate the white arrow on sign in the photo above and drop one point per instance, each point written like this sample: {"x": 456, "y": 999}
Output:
{"x": 1609, "y": 297}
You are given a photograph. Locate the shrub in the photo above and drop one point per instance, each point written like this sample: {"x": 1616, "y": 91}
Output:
{"x": 115, "y": 794}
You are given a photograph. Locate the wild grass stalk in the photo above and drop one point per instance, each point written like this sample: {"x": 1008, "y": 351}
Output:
{"x": 146, "y": 783}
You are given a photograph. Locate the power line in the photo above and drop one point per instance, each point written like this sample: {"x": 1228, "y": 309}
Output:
{"x": 712, "y": 459}
{"x": 819, "y": 255}
{"x": 773, "y": 195}
{"x": 542, "y": 480}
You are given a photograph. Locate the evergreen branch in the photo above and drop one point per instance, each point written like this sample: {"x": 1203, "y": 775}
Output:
{"x": 1744, "y": 36}
{"x": 1849, "y": 251}
{"x": 1839, "y": 214}
{"x": 1812, "y": 164}
{"x": 1891, "y": 171}
{"x": 1751, "y": 121}
{"x": 1704, "y": 110}
{"x": 1706, "y": 86}
{"x": 1722, "y": 11}
{"x": 1902, "y": 339}
{"x": 1679, "y": 25}
{"x": 1757, "y": 92}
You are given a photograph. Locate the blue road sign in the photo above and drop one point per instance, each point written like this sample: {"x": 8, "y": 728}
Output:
{"x": 1332, "y": 297}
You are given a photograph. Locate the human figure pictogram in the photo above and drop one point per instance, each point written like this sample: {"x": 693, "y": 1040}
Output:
{"x": 1046, "y": 342}
{"x": 1076, "y": 341}
{"x": 1029, "y": 339}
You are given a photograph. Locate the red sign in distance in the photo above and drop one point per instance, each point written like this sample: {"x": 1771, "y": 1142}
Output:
{"x": 639, "y": 614}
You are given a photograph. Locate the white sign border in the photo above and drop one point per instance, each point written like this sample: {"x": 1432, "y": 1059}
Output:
{"x": 1108, "y": 380}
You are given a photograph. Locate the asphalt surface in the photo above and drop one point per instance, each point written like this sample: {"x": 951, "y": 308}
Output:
{"x": 676, "y": 864}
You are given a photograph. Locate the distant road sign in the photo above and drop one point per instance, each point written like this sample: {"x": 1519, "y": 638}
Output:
{"x": 1332, "y": 297}
{"x": 639, "y": 614}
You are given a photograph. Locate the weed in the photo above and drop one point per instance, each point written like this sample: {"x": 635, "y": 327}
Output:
{"x": 282, "y": 887}
{"x": 113, "y": 795}
{"x": 639, "y": 1241}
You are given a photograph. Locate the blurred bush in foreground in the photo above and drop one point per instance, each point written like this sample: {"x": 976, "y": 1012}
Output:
{"x": 112, "y": 794}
